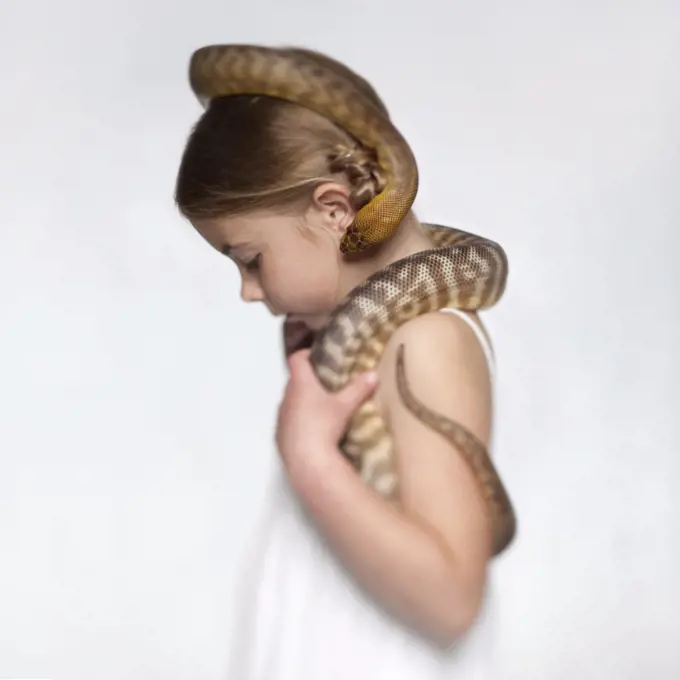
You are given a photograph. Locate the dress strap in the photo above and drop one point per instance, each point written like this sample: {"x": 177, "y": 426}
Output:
{"x": 481, "y": 335}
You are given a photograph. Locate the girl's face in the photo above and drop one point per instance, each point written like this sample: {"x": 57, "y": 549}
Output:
{"x": 291, "y": 263}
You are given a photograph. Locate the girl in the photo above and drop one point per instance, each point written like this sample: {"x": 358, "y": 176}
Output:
{"x": 345, "y": 585}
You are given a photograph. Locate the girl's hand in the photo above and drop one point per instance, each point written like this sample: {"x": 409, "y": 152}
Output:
{"x": 311, "y": 420}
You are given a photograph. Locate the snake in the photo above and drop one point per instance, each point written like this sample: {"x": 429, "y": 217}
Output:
{"x": 462, "y": 270}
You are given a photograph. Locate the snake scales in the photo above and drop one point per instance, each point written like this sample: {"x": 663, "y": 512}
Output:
{"x": 462, "y": 270}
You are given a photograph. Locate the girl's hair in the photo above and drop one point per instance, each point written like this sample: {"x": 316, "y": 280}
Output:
{"x": 256, "y": 152}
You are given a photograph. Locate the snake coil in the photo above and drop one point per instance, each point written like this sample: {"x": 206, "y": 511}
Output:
{"x": 462, "y": 270}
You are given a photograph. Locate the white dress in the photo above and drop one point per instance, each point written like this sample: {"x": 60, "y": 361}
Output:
{"x": 301, "y": 617}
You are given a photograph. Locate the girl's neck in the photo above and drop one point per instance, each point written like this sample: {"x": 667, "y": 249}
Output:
{"x": 410, "y": 238}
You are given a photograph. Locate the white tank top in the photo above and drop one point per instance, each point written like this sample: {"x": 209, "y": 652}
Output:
{"x": 481, "y": 336}
{"x": 302, "y": 618}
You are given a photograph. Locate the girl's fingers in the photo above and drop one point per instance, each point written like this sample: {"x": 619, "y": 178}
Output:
{"x": 358, "y": 391}
{"x": 298, "y": 363}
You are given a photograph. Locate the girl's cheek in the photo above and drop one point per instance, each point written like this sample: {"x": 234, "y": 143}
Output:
{"x": 272, "y": 291}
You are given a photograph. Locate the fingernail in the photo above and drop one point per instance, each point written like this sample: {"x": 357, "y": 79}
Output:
{"x": 372, "y": 378}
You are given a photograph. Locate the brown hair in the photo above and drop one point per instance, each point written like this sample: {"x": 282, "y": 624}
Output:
{"x": 256, "y": 152}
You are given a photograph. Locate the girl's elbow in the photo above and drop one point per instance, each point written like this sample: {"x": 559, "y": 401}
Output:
{"x": 458, "y": 612}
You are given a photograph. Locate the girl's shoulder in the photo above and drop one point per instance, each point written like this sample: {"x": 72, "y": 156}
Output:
{"x": 445, "y": 350}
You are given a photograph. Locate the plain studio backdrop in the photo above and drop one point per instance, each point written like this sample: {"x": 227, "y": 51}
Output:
{"x": 139, "y": 394}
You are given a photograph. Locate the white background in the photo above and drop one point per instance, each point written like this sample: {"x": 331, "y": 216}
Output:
{"x": 138, "y": 394}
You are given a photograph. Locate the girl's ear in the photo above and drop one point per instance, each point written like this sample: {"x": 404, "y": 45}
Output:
{"x": 332, "y": 204}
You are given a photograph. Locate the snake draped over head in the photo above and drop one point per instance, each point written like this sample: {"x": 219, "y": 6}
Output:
{"x": 462, "y": 270}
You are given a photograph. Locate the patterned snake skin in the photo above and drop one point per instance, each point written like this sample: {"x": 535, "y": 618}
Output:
{"x": 462, "y": 270}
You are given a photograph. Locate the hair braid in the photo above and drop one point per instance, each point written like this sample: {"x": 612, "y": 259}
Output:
{"x": 361, "y": 168}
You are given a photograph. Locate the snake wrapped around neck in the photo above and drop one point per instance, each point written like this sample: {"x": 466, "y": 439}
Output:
{"x": 462, "y": 270}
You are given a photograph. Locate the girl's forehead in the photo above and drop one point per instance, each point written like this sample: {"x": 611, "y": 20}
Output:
{"x": 245, "y": 222}
{"x": 229, "y": 228}
{"x": 229, "y": 232}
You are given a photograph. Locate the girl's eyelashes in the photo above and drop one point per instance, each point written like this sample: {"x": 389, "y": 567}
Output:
{"x": 253, "y": 264}
{"x": 250, "y": 265}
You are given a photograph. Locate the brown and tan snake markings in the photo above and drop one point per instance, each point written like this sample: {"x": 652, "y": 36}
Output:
{"x": 462, "y": 270}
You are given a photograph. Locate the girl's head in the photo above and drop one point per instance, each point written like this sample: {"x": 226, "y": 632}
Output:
{"x": 274, "y": 186}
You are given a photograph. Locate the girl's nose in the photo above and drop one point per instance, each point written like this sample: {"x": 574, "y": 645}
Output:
{"x": 251, "y": 290}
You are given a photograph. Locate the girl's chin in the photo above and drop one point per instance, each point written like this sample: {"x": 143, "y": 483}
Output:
{"x": 313, "y": 321}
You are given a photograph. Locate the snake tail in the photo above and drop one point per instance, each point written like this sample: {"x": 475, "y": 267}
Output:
{"x": 496, "y": 499}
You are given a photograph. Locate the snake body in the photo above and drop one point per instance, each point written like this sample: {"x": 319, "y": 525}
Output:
{"x": 462, "y": 270}
{"x": 221, "y": 70}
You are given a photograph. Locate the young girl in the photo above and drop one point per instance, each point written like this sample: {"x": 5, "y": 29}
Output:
{"x": 346, "y": 585}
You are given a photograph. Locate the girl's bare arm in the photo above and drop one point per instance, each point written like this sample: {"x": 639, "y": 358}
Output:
{"x": 426, "y": 562}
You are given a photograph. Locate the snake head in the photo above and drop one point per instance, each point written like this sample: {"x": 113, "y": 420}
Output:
{"x": 353, "y": 241}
